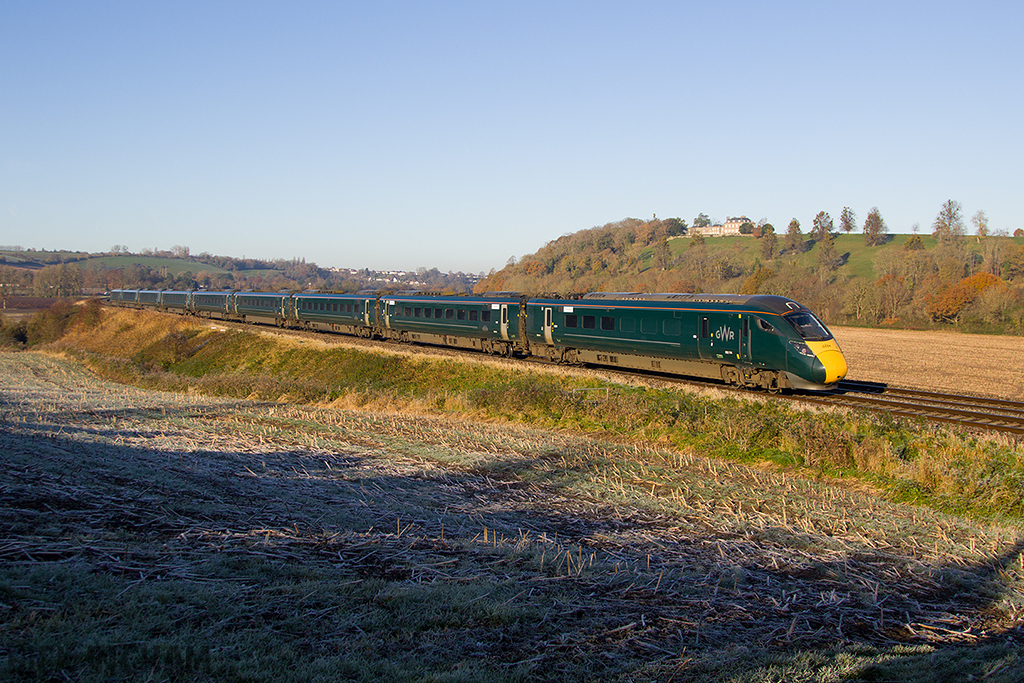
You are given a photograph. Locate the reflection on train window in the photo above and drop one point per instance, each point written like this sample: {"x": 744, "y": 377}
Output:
{"x": 589, "y": 322}
{"x": 627, "y": 324}
{"x": 673, "y": 328}
{"x": 648, "y": 326}
{"x": 571, "y": 320}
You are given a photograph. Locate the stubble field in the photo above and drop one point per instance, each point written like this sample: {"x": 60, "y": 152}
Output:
{"x": 989, "y": 365}
{"x": 161, "y": 536}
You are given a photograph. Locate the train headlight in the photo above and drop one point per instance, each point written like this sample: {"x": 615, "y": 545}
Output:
{"x": 802, "y": 348}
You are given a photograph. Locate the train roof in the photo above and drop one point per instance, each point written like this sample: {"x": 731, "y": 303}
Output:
{"x": 775, "y": 304}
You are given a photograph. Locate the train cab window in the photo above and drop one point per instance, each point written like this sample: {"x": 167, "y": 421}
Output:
{"x": 437, "y": 312}
{"x": 485, "y": 316}
{"x": 473, "y": 315}
{"x": 627, "y": 325}
{"x": 809, "y": 327}
{"x": 572, "y": 320}
{"x": 673, "y": 328}
{"x": 449, "y": 314}
{"x": 648, "y": 326}
{"x": 705, "y": 329}
{"x": 417, "y": 312}
{"x": 589, "y": 322}
{"x": 607, "y": 322}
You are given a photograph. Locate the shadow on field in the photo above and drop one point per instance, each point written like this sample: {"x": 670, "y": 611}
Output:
{"x": 139, "y": 550}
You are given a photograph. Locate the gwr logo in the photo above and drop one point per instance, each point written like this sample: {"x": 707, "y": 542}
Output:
{"x": 723, "y": 333}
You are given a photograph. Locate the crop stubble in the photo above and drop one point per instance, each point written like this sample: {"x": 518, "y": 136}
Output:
{"x": 582, "y": 558}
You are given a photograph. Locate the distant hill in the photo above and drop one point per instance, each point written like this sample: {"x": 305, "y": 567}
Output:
{"x": 906, "y": 280}
{"x": 63, "y": 273}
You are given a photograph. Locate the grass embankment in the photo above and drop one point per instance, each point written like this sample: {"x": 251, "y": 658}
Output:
{"x": 967, "y": 474}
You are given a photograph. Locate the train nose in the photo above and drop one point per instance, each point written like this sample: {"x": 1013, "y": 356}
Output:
{"x": 831, "y": 358}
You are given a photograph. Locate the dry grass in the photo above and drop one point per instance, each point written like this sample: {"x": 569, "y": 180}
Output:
{"x": 988, "y": 365}
{"x": 167, "y": 536}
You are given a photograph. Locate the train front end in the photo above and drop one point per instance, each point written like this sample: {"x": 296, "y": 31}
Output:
{"x": 815, "y": 361}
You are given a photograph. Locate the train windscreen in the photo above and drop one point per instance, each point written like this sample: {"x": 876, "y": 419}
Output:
{"x": 808, "y": 327}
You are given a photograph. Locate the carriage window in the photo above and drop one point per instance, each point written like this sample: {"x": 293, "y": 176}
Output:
{"x": 485, "y": 316}
{"x": 448, "y": 314}
{"x": 473, "y": 316}
{"x": 460, "y": 315}
{"x": 437, "y": 312}
{"x": 648, "y": 326}
{"x": 607, "y": 322}
{"x": 418, "y": 312}
{"x": 627, "y": 325}
{"x": 571, "y": 320}
{"x": 589, "y": 322}
{"x": 673, "y": 328}
{"x": 408, "y": 311}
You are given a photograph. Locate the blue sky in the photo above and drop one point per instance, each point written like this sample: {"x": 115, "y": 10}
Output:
{"x": 397, "y": 135}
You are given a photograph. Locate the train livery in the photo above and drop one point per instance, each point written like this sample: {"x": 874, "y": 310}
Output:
{"x": 759, "y": 341}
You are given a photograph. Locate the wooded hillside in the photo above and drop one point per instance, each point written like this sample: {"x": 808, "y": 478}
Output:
{"x": 939, "y": 280}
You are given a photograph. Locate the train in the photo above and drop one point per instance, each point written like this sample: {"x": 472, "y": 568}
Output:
{"x": 757, "y": 341}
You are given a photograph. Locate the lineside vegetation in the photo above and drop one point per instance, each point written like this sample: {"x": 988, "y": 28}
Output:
{"x": 978, "y": 475}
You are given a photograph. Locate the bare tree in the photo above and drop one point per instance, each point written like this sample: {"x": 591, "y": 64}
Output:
{"x": 847, "y": 220}
{"x": 948, "y": 227}
{"x": 874, "y": 228}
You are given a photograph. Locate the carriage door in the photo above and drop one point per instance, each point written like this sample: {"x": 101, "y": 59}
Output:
{"x": 744, "y": 327}
{"x": 366, "y": 312}
{"x": 504, "y": 322}
{"x": 548, "y": 327}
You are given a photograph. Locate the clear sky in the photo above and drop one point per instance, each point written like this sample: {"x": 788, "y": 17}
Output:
{"x": 397, "y": 135}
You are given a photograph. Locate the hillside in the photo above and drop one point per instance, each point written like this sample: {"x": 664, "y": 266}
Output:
{"x": 911, "y": 281}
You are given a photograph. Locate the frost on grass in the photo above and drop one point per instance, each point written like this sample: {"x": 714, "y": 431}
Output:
{"x": 168, "y": 535}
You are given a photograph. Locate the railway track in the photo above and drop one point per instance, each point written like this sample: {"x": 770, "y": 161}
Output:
{"x": 976, "y": 412}
{"x": 973, "y": 412}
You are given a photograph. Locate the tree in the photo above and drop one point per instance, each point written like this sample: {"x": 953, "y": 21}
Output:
{"x": 747, "y": 228}
{"x": 980, "y": 221}
{"x": 948, "y": 227}
{"x": 753, "y": 284}
{"x": 822, "y": 226}
{"x": 57, "y": 281}
{"x": 874, "y": 228}
{"x": 913, "y": 244}
{"x": 794, "y": 238}
{"x": 769, "y": 245}
{"x": 847, "y": 220}
{"x": 701, "y": 221}
{"x": 828, "y": 259}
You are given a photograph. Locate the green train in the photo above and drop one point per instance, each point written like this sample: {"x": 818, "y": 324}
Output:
{"x": 766, "y": 342}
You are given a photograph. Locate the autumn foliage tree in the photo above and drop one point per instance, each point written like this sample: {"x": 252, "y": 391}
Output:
{"x": 949, "y": 302}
